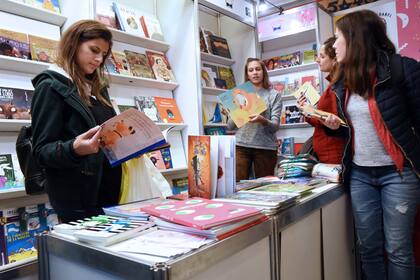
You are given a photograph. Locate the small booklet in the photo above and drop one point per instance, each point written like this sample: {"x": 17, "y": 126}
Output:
{"x": 311, "y": 94}
{"x": 311, "y": 112}
{"x": 130, "y": 134}
{"x": 241, "y": 102}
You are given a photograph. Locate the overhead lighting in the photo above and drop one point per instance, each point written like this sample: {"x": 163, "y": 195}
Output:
{"x": 263, "y": 5}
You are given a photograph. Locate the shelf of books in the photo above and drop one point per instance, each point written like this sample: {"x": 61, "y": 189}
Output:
{"x": 18, "y": 264}
{"x": 12, "y": 193}
{"x": 141, "y": 82}
{"x": 147, "y": 43}
{"x": 12, "y": 125}
{"x": 212, "y": 90}
{"x": 292, "y": 69}
{"x": 215, "y": 125}
{"x": 216, "y": 59}
{"x": 22, "y": 65}
{"x": 32, "y": 11}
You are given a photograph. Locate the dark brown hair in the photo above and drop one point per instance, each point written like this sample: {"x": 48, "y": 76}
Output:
{"x": 365, "y": 35}
{"x": 266, "y": 81}
{"x": 330, "y": 51}
{"x": 78, "y": 33}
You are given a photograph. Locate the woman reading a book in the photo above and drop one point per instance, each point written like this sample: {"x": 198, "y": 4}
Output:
{"x": 378, "y": 94}
{"x": 327, "y": 147}
{"x": 256, "y": 140}
{"x": 69, "y": 104}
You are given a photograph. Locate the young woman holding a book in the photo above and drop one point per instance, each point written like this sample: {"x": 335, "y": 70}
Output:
{"x": 378, "y": 94}
{"x": 327, "y": 147}
{"x": 256, "y": 140}
{"x": 69, "y": 103}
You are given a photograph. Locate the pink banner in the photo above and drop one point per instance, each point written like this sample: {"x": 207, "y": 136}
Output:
{"x": 408, "y": 12}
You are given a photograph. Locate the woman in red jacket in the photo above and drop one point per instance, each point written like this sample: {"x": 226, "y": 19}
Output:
{"x": 328, "y": 148}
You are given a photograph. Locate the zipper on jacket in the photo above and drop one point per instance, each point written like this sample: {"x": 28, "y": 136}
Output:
{"x": 392, "y": 137}
{"x": 349, "y": 138}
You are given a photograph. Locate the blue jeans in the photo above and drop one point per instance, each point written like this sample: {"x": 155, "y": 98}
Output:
{"x": 384, "y": 207}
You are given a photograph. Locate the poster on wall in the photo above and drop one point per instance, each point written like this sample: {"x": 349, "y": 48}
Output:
{"x": 290, "y": 22}
{"x": 386, "y": 10}
{"x": 408, "y": 13}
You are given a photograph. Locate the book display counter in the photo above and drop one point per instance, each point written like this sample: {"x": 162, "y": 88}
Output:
{"x": 305, "y": 233}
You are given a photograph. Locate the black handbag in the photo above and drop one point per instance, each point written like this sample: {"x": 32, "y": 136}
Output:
{"x": 35, "y": 179}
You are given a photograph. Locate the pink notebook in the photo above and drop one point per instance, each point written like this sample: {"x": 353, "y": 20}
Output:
{"x": 200, "y": 213}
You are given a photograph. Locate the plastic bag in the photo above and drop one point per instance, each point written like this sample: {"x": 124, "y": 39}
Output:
{"x": 142, "y": 180}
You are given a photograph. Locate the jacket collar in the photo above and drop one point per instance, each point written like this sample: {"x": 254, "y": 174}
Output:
{"x": 383, "y": 68}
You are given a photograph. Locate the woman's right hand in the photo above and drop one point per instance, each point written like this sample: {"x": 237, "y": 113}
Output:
{"x": 332, "y": 122}
{"x": 302, "y": 100}
{"x": 87, "y": 143}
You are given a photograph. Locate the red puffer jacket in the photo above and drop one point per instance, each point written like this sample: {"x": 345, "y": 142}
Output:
{"x": 328, "y": 149}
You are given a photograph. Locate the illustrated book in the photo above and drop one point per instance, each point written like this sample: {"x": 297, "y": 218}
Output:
{"x": 129, "y": 19}
{"x": 139, "y": 65}
{"x": 219, "y": 46}
{"x": 43, "y": 49}
{"x": 160, "y": 66}
{"x": 128, "y": 135}
{"x": 200, "y": 213}
{"x": 241, "y": 102}
{"x": 311, "y": 94}
{"x": 15, "y": 103}
{"x": 168, "y": 110}
{"x": 151, "y": 27}
{"x": 14, "y": 44}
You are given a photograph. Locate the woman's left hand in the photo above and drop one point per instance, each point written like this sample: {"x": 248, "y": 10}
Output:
{"x": 258, "y": 119}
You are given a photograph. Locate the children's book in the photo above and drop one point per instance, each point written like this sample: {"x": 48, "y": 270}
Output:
{"x": 43, "y": 49}
{"x": 121, "y": 63}
{"x": 14, "y": 44}
{"x": 282, "y": 188}
{"x": 168, "y": 110}
{"x": 180, "y": 185}
{"x": 132, "y": 210}
{"x": 311, "y": 94}
{"x": 309, "y": 56}
{"x": 199, "y": 169}
{"x": 157, "y": 160}
{"x": 203, "y": 46}
{"x": 218, "y": 130}
{"x": 160, "y": 66}
{"x": 15, "y": 103}
{"x": 110, "y": 66}
{"x": 311, "y": 112}
{"x": 128, "y": 135}
{"x": 226, "y": 73}
{"x": 331, "y": 172}
{"x": 200, "y": 213}
{"x": 129, "y": 19}
{"x": 292, "y": 114}
{"x": 147, "y": 105}
{"x": 151, "y": 27}
{"x": 260, "y": 199}
{"x": 138, "y": 65}
{"x": 206, "y": 33}
{"x": 241, "y": 102}
{"x": 50, "y": 5}
{"x": 167, "y": 158}
{"x": 219, "y": 46}
{"x": 104, "y": 12}
{"x": 207, "y": 77}
{"x": 7, "y": 174}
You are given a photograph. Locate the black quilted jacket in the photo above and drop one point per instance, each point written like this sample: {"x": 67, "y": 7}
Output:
{"x": 398, "y": 101}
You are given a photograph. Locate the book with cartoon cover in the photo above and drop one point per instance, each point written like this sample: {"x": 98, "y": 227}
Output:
{"x": 241, "y": 102}
{"x": 43, "y": 49}
{"x": 128, "y": 135}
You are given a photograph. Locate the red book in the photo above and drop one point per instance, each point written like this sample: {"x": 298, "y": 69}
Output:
{"x": 200, "y": 213}
{"x": 168, "y": 110}
{"x": 199, "y": 168}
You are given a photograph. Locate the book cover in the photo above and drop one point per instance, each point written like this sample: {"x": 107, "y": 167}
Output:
{"x": 167, "y": 158}
{"x": 160, "y": 66}
{"x": 157, "y": 160}
{"x": 309, "y": 56}
{"x": 293, "y": 115}
{"x": 128, "y": 135}
{"x": 207, "y": 77}
{"x": 123, "y": 108}
{"x": 168, "y": 110}
{"x": 147, "y": 105}
{"x": 43, "y": 49}
{"x": 241, "y": 102}
{"x": 226, "y": 73}
{"x": 200, "y": 213}
{"x": 206, "y": 36}
{"x": 219, "y": 46}
{"x": 14, "y": 44}
{"x": 218, "y": 130}
{"x": 151, "y": 27}
{"x": 203, "y": 45}
{"x": 282, "y": 188}
{"x": 121, "y": 63}
{"x": 209, "y": 108}
{"x": 219, "y": 83}
{"x": 311, "y": 94}
{"x": 7, "y": 174}
{"x": 311, "y": 112}
{"x": 287, "y": 146}
{"x": 15, "y": 103}
{"x": 138, "y": 65}
{"x": 128, "y": 19}
{"x": 289, "y": 60}
{"x": 331, "y": 172}
{"x": 110, "y": 66}
{"x": 50, "y": 5}
{"x": 199, "y": 169}
{"x": 105, "y": 13}
{"x": 180, "y": 185}
{"x": 132, "y": 209}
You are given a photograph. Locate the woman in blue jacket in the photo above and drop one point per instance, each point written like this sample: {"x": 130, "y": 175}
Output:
{"x": 69, "y": 103}
{"x": 378, "y": 94}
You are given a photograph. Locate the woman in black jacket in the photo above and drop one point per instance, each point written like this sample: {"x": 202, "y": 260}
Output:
{"x": 378, "y": 96}
{"x": 69, "y": 103}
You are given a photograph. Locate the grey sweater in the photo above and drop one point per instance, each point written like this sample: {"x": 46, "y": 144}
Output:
{"x": 258, "y": 136}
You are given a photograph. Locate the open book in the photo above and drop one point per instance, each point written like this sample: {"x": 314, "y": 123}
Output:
{"x": 311, "y": 112}
{"x": 130, "y": 134}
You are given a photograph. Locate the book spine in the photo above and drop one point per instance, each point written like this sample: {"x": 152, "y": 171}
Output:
{"x": 242, "y": 228}
{"x": 119, "y": 17}
{"x": 144, "y": 26}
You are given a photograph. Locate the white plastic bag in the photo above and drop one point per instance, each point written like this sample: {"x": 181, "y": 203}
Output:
{"x": 142, "y": 180}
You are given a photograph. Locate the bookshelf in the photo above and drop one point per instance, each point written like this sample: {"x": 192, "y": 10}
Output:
{"x": 22, "y": 65}
{"x": 208, "y": 57}
{"x": 146, "y": 43}
{"x": 292, "y": 69}
{"x": 212, "y": 91}
{"x": 141, "y": 82}
{"x": 12, "y": 125}
{"x": 28, "y": 11}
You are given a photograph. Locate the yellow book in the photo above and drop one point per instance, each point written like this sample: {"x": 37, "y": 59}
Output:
{"x": 311, "y": 94}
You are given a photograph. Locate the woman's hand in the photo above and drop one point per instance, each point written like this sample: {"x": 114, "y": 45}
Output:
{"x": 88, "y": 142}
{"x": 332, "y": 122}
{"x": 301, "y": 101}
{"x": 258, "y": 119}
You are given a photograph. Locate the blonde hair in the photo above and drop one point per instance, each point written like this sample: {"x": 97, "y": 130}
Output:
{"x": 78, "y": 33}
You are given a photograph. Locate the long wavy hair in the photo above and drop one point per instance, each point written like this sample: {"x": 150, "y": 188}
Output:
{"x": 266, "y": 81}
{"x": 78, "y": 33}
{"x": 365, "y": 35}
